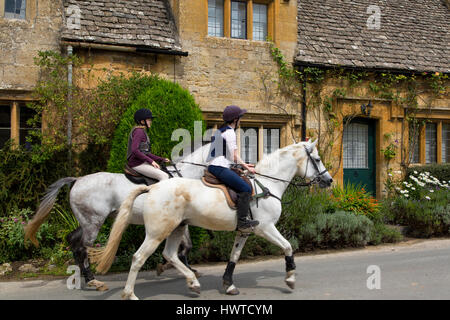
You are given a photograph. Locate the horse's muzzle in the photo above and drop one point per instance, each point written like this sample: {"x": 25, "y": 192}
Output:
{"x": 325, "y": 182}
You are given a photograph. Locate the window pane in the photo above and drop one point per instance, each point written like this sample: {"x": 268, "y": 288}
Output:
{"x": 215, "y": 18}
{"x": 356, "y": 143}
{"x": 271, "y": 140}
{"x": 10, "y": 6}
{"x": 430, "y": 143}
{"x": 5, "y": 116}
{"x": 239, "y": 20}
{"x": 414, "y": 132}
{"x": 259, "y": 22}
{"x": 5, "y": 124}
{"x": 249, "y": 145}
{"x": 15, "y": 9}
{"x": 25, "y": 129}
{"x": 446, "y": 142}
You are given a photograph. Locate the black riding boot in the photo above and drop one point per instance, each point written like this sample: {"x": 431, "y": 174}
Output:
{"x": 243, "y": 205}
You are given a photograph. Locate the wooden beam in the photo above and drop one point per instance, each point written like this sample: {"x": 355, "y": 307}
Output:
{"x": 422, "y": 147}
{"x": 227, "y": 18}
{"x": 250, "y": 20}
{"x": 15, "y": 123}
{"x": 439, "y": 142}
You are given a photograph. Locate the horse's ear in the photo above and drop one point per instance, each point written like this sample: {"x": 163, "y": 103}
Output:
{"x": 314, "y": 143}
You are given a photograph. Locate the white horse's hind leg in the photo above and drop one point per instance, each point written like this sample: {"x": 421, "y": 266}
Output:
{"x": 170, "y": 253}
{"x": 145, "y": 250}
{"x": 271, "y": 233}
{"x": 238, "y": 245}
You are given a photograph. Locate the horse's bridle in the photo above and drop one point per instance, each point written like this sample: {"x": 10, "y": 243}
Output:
{"x": 320, "y": 173}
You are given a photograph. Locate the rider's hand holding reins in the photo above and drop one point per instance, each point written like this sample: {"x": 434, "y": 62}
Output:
{"x": 156, "y": 165}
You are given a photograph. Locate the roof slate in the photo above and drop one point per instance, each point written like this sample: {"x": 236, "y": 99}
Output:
{"x": 138, "y": 23}
{"x": 413, "y": 35}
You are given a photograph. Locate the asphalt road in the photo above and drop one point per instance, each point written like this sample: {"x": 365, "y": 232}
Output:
{"x": 412, "y": 270}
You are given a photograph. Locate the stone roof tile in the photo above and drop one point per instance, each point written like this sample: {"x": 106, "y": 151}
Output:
{"x": 104, "y": 22}
{"x": 413, "y": 35}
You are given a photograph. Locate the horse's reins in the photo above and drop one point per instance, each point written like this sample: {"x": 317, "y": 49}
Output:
{"x": 265, "y": 191}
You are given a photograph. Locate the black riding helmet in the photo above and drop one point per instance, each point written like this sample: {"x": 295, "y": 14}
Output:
{"x": 142, "y": 114}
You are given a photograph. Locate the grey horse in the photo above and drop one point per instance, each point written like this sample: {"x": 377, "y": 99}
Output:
{"x": 95, "y": 197}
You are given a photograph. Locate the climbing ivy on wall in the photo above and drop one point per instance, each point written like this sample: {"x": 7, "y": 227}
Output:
{"x": 403, "y": 89}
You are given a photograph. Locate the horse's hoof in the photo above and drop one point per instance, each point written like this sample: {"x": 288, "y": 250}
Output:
{"x": 290, "y": 284}
{"x": 98, "y": 285}
{"x": 290, "y": 279}
{"x": 129, "y": 296}
{"x": 231, "y": 290}
{"x": 159, "y": 269}
{"x": 195, "y": 289}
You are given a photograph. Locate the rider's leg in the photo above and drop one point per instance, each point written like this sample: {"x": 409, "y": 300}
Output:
{"x": 150, "y": 171}
{"x": 232, "y": 180}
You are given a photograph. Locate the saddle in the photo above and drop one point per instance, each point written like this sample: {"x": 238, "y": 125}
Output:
{"x": 136, "y": 177}
{"x": 210, "y": 180}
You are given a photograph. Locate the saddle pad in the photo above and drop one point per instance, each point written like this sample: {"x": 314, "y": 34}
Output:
{"x": 230, "y": 194}
{"x": 210, "y": 180}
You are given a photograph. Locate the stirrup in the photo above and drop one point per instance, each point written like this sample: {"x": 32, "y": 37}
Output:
{"x": 247, "y": 224}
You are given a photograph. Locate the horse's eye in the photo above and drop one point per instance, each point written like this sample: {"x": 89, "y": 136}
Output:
{"x": 317, "y": 160}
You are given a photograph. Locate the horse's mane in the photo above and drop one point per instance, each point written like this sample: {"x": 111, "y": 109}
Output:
{"x": 271, "y": 160}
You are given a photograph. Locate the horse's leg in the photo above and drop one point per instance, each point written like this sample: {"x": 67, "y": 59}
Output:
{"x": 75, "y": 240}
{"x": 185, "y": 248}
{"x": 145, "y": 250}
{"x": 90, "y": 232}
{"x": 238, "y": 245}
{"x": 271, "y": 233}
{"x": 170, "y": 253}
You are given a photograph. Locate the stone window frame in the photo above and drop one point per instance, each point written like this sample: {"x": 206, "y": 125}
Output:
{"x": 227, "y": 18}
{"x": 15, "y": 126}
{"x": 422, "y": 142}
{"x": 30, "y": 11}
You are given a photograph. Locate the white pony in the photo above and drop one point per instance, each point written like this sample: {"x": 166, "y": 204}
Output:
{"x": 180, "y": 201}
{"x": 95, "y": 197}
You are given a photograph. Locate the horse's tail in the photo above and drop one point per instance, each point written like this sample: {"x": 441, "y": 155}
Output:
{"x": 44, "y": 209}
{"x": 104, "y": 257}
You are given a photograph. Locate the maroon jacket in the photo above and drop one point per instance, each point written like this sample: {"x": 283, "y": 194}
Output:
{"x": 137, "y": 157}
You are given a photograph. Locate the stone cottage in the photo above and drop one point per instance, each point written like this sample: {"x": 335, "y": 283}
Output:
{"x": 218, "y": 50}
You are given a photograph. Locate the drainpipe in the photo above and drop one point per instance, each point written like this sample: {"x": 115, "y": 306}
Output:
{"x": 303, "y": 105}
{"x": 69, "y": 109}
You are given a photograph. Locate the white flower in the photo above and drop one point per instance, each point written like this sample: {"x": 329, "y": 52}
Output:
{"x": 415, "y": 172}
{"x": 390, "y": 174}
{"x": 431, "y": 191}
{"x": 427, "y": 197}
{"x": 406, "y": 195}
{"x": 413, "y": 188}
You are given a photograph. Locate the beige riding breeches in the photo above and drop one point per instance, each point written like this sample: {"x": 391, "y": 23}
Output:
{"x": 150, "y": 171}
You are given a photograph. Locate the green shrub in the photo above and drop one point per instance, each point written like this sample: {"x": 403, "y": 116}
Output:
{"x": 23, "y": 178}
{"x": 12, "y": 246}
{"x": 173, "y": 107}
{"x": 423, "y": 218}
{"x": 384, "y": 234}
{"x": 339, "y": 229}
{"x": 300, "y": 207}
{"x": 353, "y": 198}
